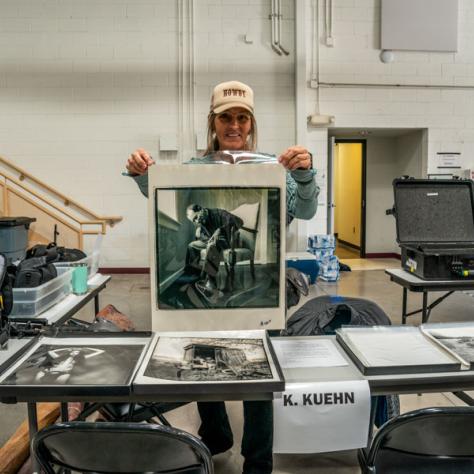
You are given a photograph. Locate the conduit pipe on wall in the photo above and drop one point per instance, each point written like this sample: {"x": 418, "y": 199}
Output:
{"x": 368, "y": 85}
{"x": 186, "y": 79}
{"x": 280, "y": 17}
{"x": 275, "y": 17}
{"x": 314, "y": 79}
{"x": 328, "y": 23}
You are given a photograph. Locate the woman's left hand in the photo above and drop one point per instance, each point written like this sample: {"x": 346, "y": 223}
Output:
{"x": 295, "y": 157}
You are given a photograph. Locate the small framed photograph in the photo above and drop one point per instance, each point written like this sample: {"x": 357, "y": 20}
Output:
{"x": 217, "y": 238}
{"x": 214, "y": 361}
{"x": 76, "y": 366}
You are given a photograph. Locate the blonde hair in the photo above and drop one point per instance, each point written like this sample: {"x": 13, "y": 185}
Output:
{"x": 213, "y": 142}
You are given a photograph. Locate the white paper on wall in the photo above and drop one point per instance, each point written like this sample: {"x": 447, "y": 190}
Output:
{"x": 448, "y": 160}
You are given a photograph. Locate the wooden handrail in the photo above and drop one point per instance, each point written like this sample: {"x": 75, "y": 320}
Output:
{"x": 67, "y": 201}
{"x": 46, "y": 200}
{"x": 59, "y": 219}
{"x": 43, "y": 209}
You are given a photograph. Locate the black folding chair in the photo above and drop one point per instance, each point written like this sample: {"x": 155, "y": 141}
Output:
{"x": 120, "y": 448}
{"x": 426, "y": 441}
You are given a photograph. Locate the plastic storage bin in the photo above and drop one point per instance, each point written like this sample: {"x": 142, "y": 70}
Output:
{"x": 30, "y": 302}
{"x": 91, "y": 260}
{"x": 14, "y": 237}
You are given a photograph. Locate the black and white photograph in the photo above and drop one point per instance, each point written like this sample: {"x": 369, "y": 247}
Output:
{"x": 208, "y": 359}
{"x": 77, "y": 364}
{"x": 456, "y": 337}
{"x": 461, "y": 346}
{"x": 217, "y": 236}
{"x": 217, "y": 247}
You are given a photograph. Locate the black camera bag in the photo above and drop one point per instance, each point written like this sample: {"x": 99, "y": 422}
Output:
{"x": 33, "y": 272}
{"x": 53, "y": 253}
{"x": 5, "y": 302}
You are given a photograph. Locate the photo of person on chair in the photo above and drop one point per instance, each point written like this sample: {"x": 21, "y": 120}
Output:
{"x": 212, "y": 249}
{"x": 215, "y": 229}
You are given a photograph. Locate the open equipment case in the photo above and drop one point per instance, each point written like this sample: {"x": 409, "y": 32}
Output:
{"x": 435, "y": 227}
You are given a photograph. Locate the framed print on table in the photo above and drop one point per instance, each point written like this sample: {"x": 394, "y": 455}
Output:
{"x": 211, "y": 362}
{"x": 217, "y": 237}
{"x": 387, "y": 350}
{"x": 101, "y": 364}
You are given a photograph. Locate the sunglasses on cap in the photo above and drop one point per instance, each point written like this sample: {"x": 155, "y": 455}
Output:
{"x": 226, "y": 117}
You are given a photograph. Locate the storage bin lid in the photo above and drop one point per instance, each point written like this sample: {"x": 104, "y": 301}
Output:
{"x": 434, "y": 211}
{"x": 15, "y": 221}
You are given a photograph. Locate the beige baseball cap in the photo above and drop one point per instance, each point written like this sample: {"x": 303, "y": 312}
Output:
{"x": 231, "y": 94}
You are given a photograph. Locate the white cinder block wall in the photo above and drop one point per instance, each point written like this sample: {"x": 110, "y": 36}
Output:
{"x": 447, "y": 113}
{"x": 83, "y": 83}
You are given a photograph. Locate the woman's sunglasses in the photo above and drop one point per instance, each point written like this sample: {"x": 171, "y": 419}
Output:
{"x": 227, "y": 118}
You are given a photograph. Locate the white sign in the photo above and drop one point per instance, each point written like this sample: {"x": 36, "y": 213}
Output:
{"x": 449, "y": 160}
{"x": 317, "y": 352}
{"x": 322, "y": 417}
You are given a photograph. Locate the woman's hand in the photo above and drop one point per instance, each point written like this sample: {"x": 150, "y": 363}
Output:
{"x": 296, "y": 157}
{"x": 139, "y": 162}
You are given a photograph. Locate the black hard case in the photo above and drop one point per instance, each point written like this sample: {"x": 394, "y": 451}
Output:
{"x": 435, "y": 226}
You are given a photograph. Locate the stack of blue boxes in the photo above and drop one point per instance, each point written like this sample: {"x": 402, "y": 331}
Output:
{"x": 322, "y": 247}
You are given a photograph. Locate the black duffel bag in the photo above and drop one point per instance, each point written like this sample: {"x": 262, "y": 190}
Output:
{"x": 53, "y": 253}
{"x": 33, "y": 272}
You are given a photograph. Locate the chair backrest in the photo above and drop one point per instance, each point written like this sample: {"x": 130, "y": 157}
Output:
{"x": 120, "y": 447}
{"x": 249, "y": 213}
{"x": 419, "y": 440}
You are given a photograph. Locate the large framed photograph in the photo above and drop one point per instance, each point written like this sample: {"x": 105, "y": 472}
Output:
{"x": 217, "y": 238}
{"x": 213, "y": 362}
{"x": 75, "y": 366}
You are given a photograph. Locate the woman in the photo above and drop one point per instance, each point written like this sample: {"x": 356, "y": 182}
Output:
{"x": 232, "y": 126}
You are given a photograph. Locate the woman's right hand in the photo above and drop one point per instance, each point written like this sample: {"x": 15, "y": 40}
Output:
{"x": 139, "y": 161}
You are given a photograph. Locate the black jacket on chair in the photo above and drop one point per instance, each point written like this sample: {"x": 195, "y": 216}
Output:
{"x": 325, "y": 314}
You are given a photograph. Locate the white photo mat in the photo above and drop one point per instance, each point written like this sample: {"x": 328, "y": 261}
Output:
{"x": 386, "y": 346}
{"x": 166, "y": 176}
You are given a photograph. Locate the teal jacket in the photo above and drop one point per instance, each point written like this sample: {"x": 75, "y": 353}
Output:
{"x": 301, "y": 193}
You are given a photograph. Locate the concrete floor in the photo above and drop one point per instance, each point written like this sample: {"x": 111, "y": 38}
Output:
{"x": 130, "y": 294}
